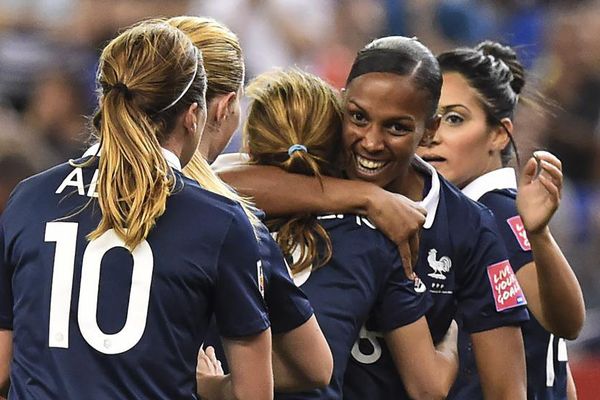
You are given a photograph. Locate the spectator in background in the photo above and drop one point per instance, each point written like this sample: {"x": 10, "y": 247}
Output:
{"x": 15, "y": 167}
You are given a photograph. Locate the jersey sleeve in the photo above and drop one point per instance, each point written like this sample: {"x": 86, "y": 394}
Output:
{"x": 288, "y": 305}
{"x": 510, "y": 227}
{"x": 489, "y": 295}
{"x": 401, "y": 301}
{"x": 239, "y": 305}
{"x": 6, "y": 298}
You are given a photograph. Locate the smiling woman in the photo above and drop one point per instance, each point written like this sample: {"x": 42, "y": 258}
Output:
{"x": 389, "y": 106}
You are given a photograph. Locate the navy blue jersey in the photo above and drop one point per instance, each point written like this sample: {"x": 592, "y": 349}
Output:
{"x": 364, "y": 277}
{"x": 92, "y": 320}
{"x": 546, "y": 355}
{"x": 287, "y": 304}
{"x": 464, "y": 266}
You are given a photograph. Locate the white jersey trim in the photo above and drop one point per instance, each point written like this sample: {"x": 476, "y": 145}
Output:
{"x": 503, "y": 178}
{"x": 432, "y": 200}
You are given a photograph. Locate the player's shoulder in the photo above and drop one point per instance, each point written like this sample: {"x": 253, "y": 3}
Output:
{"x": 500, "y": 201}
{"x": 33, "y": 188}
{"x": 460, "y": 207}
{"x": 355, "y": 231}
{"x": 201, "y": 202}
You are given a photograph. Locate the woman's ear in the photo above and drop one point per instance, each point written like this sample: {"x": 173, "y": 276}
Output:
{"x": 190, "y": 119}
{"x": 224, "y": 106}
{"x": 502, "y": 134}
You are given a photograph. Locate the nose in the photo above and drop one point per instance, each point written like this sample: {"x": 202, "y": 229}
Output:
{"x": 372, "y": 140}
{"x": 431, "y": 139}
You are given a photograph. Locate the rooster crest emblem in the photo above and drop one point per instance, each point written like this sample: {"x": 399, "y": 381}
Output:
{"x": 440, "y": 266}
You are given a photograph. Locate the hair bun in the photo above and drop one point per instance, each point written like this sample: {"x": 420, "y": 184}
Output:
{"x": 509, "y": 57}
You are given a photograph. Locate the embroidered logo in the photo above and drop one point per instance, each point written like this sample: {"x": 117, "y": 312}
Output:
{"x": 505, "y": 287}
{"x": 516, "y": 224}
{"x": 440, "y": 267}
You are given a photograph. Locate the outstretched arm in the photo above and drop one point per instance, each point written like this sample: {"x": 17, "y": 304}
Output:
{"x": 551, "y": 288}
{"x": 427, "y": 372}
{"x": 281, "y": 193}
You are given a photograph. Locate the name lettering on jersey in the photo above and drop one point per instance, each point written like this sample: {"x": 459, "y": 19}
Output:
{"x": 506, "y": 288}
{"x": 75, "y": 179}
{"x": 362, "y": 220}
{"x": 516, "y": 225}
{"x": 261, "y": 278}
{"x": 440, "y": 267}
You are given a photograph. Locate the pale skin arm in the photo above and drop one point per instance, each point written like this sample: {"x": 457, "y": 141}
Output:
{"x": 500, "y": 358}
{"x": 293, "y": 370}
{"x": 427, "y": 372}
{"x": 571, "y": 389}
{"x": 550, "y": 286}
{"x": 302, "y": 359}
{"x": 281, "y": 193}
{"x": 5, "y": 357}
{"x": 251, "y": 375}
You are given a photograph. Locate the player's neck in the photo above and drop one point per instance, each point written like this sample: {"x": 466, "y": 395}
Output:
{"x": 411, "y": 184}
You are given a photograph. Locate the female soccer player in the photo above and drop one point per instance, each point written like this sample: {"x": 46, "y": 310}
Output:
{"x": 472, "y": 148}
{"x": 390, "y": 103}
{"x": 111, "y": 266}
{"x": 347, "y": 268}
{"x": 293, "y": 324}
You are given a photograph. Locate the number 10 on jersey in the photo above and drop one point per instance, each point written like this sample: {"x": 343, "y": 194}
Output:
{"x": 65, "y": 236}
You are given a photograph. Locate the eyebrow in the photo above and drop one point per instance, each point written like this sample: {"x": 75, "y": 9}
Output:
{"x": 453, "y": 106}
{"x": 408, "y": 118}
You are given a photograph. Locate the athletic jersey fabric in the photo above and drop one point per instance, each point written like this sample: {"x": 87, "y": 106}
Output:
{"x": 546, "y": 355}
{"x": 364, "y": 277}
{"x": 464, "y": 266}
{"x": 92, "y": 320}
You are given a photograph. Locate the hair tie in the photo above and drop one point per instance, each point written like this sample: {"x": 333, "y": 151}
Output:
{"x": 297, "y": 147}
{"x": 187, "y": 87}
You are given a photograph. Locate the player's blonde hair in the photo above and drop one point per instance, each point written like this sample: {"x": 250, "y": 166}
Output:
{"x": 142, "y": 73}
{"x": 290, "y": 108}
{"x": 224, "y": 65}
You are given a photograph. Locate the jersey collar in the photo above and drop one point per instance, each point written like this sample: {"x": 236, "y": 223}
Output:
{"x": 431, "y": 201}
{"x": 171, "y": 158}
{"x": 503, "y": 178}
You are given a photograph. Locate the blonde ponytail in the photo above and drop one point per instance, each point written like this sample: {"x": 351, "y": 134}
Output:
{"x": 294, "y": 122}
{"x": 149, "y": 75}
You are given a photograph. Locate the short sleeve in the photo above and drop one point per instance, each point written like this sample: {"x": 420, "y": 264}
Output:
{"x": 287, "y": 304}
{"x": 510, "y": 227}
{"x": 239, "y": 305}
{"x": 6, "y": 298}
{"x": 401, "y": 301}
{"x": 489, "y": 295}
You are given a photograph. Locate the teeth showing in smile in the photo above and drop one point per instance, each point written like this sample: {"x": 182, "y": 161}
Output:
{"x": 369, "y": 166}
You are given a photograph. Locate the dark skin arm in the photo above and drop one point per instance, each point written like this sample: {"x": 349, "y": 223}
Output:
{"x": 281, "y": 193}
{"x": 500, "y": 357}
{"x": 427, "y": 372}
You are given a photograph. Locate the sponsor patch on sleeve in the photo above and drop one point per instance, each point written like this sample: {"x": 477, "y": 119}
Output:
{"x": 506, "y": 288}
{"x": 516, "y": 224}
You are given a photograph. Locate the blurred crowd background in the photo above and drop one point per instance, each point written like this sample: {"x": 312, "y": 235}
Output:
{"x": 49, "y": 51}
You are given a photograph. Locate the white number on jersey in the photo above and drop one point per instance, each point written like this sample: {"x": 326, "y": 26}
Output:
{"x": 371, "y": 337}
{"x": 65, "y": 236}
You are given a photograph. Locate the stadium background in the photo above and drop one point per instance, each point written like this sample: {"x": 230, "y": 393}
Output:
{"x": 49, "y": 50}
